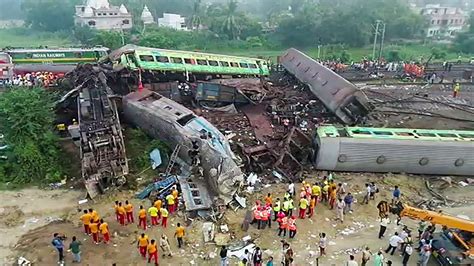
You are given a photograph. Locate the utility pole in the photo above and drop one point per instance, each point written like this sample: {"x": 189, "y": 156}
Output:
{"x": 381, "y": 41}
{"x": 376, "y": 34}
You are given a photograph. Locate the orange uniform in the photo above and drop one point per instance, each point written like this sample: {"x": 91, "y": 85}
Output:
{"x": 142, "y": 218}
{"x": 104, "y": 230}
{"x": 158, "y": 204}
{"x": 152, "y": 253}
{"x": 94, "y": 227}
{"x": 142, "y": 245}
{"x": 121, "y": 213}
{"x": 95, "y": 216}
{"x": 129, "y": 210}
{"x": 268, "y": 200}
{"x": 86, "y": 220}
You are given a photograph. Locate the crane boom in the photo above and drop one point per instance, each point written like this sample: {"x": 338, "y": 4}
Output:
{"x": 437, "y": 218}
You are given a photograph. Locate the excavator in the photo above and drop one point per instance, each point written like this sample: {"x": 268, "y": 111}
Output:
{"x": 455, "y": 244}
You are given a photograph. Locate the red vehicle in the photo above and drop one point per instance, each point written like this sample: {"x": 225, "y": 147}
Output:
{"x": 414, "y": 70}
{"x": 6, "y": 67}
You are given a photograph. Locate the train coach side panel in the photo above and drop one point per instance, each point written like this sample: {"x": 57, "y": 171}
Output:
{"x": 417, "y": 157}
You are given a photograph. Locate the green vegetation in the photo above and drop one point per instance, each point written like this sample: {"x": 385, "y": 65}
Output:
{"x": 26, "y": 120}
{"x": 21, "y": 37}
{"x": 139, "y": 145}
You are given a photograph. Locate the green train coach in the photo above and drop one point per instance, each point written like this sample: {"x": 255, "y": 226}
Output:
{"x": 56, "y": 56}
{"x": 185, "y": 63}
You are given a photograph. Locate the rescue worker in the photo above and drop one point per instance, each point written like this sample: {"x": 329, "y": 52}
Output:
{"x": 312, "y": 205}
{"x": 175, "y": 194}
{"x": 164, "y": 217}
{"x": 265, "y": 217}
{"x": 332, "y": 190}
{"x": 116, "y": 210}
{"x": 456, "y": 89}
{"x": 152, "y": 252}
{"x": 283, "y": 226}
{"x": 86, "y": 220}
{"x": 129, "y": 212}
{"x": 286, "y": 206}
{"x": 276, "y": 208}
{"x": 303, "y": 206}
{"x": 170, "y": 202}
{"x": 142, "y": 217}
{"x": 179, "y": 234}
{"x": 121, "y": 213}
{"x": 158, "y": 203}
{"x": 94, "y": 227}
{"x": 153, "y": 211}
{"x": 292, "y": 226}
{"x": 325, "y": 196}
{"x": 316, "y": 191}
{"x": 104, "y": 231}
{"x": 291, "y": 207}
{"x": 94, "y": 215}
{"x": 257, "y": 216}
{"x": 268, "y": 199}
{"x": 142, "y": 244}
{"x": 268, "y": 210}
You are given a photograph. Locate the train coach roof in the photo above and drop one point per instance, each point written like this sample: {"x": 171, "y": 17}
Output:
{"x": 130, "y": 48}
{"x": 54, "y": 50}
{"x": 395, "y": 133}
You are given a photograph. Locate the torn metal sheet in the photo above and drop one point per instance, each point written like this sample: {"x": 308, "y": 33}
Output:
{"x": 208, "y": 231}
{"x": 195, "y": 194}
{"x": 260, "y": 122}
{"x": 155, "y": 157}
{"x": 340, "y": 96}
{"x": 165, "y": 119}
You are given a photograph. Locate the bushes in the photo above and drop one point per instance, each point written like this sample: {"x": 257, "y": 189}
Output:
{"x": 26, "y": 120}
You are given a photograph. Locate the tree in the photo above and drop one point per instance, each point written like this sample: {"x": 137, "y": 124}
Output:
{"x": 110, "y": 39}
{"x": 195, "y": 22}
{"x": 464, "y": 42}
{"x": 26, "y": 119}
{"x": 230, "y": 25}
{"x": 49, "y": 15}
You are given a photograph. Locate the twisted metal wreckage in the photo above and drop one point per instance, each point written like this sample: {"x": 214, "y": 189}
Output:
{"x": 199, "y": 144}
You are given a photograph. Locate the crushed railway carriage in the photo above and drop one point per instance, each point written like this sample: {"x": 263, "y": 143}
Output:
{"x": 56, "y": 56}
{"x": 102, "y": 148}
{"x": 416, "y": 151}
{"x": 186, "y": 64}
{"x": 339, "y": 96}
{"x": 168, "y": 120}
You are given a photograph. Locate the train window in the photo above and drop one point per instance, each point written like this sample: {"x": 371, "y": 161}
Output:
{"x": 361, "y": 132}
{"x": 405, "y": 134}
{"x": 382, "y": 133}
{"x": 224, "y": 64}
{"x": 147, "y": 58}
{"x": 176, "y": 60}
{"x": 213, "y": 63}
{"x": 185, "y": 119}
{"x": 189, "y": 61}
{"x": 244, "y": 65}
{"x": 467, "y": 136}
{"x": 234, "y": 64}
{"x": 201, "y": 62}
{"x": 447, "y": 135}
{"x": 162, "y": 59}
{"x": 253, "y": 65}
{"x": 426, "y": 134}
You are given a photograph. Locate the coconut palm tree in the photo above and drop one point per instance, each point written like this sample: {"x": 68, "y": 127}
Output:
{"x": 230, "y": 25}
{"x": 195, "y": 22}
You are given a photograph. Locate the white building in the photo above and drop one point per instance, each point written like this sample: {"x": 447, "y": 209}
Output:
{"x": 174, "y": 21}
{"x": 443, "y": 21}
{"x": 99, "y": 14}
{"x": 146, "y": 16}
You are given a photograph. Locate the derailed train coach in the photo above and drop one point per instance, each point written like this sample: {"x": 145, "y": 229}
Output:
{"x": 337, "y": 94}
{"x": 396, "y": 150}
{"x": 168, "y": 120}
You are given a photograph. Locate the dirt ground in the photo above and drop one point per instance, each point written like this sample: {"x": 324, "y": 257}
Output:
{"x": 358, "y": 230}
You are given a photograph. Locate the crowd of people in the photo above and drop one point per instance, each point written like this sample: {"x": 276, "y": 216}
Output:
{"x": 40, "y": 79}
{"x": 283, "y": 211}
{"x": 99, "y": 231}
